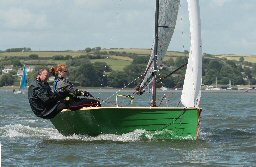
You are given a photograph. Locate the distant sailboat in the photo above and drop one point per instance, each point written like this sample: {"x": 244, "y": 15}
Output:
{"x": 163, "y": 88}
{"x": 214, "y": 88}
{"x": 23, "y": 82}
{"x": 163, "y": 122}
{"x": 229, "y": 85}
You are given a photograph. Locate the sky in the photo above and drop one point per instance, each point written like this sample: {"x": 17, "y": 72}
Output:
{"x": 228, "y": 26}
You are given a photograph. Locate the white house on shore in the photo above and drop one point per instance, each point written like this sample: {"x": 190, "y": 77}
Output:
{"x": 7, "y": 69}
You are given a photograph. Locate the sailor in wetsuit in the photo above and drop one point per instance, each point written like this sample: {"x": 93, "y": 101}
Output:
{"x": 43, "y": 102}
{"x": 65, "y": 88}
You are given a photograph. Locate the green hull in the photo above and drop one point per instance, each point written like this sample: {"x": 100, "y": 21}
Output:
{"x": 163, "y": 123}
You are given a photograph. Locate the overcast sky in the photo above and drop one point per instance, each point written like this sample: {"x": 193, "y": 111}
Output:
{"x": 228, "y": 26}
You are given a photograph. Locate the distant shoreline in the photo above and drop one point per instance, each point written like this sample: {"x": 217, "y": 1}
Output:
{"x": 104, "y": 89}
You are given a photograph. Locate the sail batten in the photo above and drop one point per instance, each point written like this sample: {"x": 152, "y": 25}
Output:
{"x": 191, "y": 92}
{"x": 168, "y": 11}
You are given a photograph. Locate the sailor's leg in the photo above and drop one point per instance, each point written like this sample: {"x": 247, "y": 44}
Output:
{"x": 83, "y": 102}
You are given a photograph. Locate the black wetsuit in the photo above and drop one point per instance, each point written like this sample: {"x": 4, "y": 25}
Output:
{"x": 43, "y": 102}
{"x": 65, "y": 88}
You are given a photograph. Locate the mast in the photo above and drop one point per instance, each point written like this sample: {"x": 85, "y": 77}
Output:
{"x": 165, "y": 20}
{"x": 216, "y": 82}
{"x": 155, "y": 55}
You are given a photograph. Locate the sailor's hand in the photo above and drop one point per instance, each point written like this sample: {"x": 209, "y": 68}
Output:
{"x": 139, "y": 91}
{"x": 78, "y": 92}
{"x": 87, "y": 94}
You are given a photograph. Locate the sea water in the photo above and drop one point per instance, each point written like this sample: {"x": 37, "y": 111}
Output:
{"x": 227, "y": 136}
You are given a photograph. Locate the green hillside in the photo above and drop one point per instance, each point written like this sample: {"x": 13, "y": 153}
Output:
{"x": 117, "y": 67}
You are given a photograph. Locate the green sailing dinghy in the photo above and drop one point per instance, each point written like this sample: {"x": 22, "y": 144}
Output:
{"x": 161, "y": 122}
{"x": 164, "y": 123}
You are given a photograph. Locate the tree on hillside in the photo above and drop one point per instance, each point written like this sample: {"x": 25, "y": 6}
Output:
{"x": 67, "y": 57}
{"x": 134, "y": 71}
{"x": 248, "y": 73}
{"x": 98, "y": 48}
{"x": 18, "y": 49}
{"x": 7, "y": 80}
{"x": 241, "y": 59}
{"x": 16, "y": 63}
{"x": 210, "y": 76}
{"x": 169, "y": 62}
{"x": 76, "y": 62}
{"x": 86, "y": 75}
{"x": 88, "y": 50}
{"x": 226, "y": 73}
{"x": 89, "y": 74}
{"x": 33, "y": 56}
{"x": 215, "y": 64}
{"x": 186, "y": 52}
{"x": 165, "y": 81}
{"x": 118, "y": 79}
{"x": 180, "y": 61}
{"x": 140, "y": 60}
{"x": 101, "y": 69}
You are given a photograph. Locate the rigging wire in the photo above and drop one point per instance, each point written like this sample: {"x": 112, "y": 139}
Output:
{"x": 177, "y": 69}
{"x": 120, "y": 90}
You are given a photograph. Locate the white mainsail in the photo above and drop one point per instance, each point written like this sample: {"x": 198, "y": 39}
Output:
{"x": 168, "y": 11}
{"x": 191, "y": 92}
